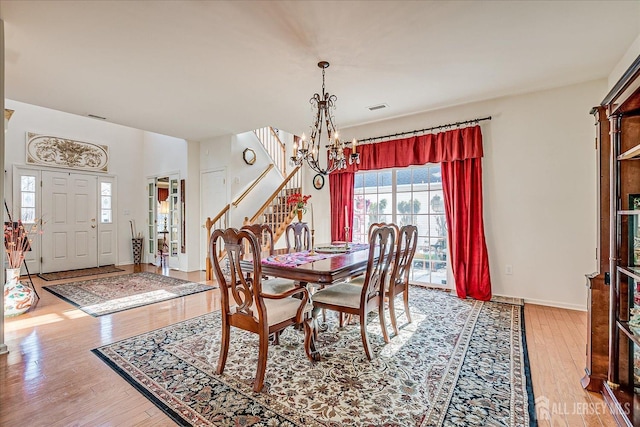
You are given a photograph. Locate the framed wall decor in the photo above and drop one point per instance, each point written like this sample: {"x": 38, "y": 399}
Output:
{"x": 60, "y": 152}
{"x": 318, "y": 181}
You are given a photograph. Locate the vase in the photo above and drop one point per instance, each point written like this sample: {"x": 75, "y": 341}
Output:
{"x": 299, "y": 216}
{"x": 12, "y": 276}
{"x": 18, "y": 298}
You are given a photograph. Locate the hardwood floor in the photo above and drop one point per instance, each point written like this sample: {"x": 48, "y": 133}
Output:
{"x": 51, "y": 378}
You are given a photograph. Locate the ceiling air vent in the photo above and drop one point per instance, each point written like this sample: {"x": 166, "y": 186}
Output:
{"x": 93, "y": 116}
{"x": 377, "y": 107}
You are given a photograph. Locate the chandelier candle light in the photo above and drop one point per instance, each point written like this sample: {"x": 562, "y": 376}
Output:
{"x": 310, "y": 151}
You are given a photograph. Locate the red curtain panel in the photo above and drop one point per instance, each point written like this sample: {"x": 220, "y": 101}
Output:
{"x": 460, "y": 153}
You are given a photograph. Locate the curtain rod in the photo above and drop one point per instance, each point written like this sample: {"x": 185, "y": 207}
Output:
{"x": 466, "y": 122}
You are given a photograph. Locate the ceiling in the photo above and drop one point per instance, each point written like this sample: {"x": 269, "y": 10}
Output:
{"x": 200, "y": 69}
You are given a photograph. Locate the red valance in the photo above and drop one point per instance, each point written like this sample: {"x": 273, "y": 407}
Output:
{"x": 457, "y": 144}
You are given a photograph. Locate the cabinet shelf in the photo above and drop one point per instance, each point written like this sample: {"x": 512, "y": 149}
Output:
{"x": 631, "y": 154}
{"x": 629, "y": 213}
{"x": 624, "y": 327}
{"x": 633, "y": 272}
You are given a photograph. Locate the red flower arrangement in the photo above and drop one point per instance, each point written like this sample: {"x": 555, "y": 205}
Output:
{"x": 298, "y": 202}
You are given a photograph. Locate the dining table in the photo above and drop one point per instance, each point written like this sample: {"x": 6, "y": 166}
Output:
{"x": 327, "y": 265}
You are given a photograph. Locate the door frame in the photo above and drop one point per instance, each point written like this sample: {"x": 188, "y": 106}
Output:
{"x": 151, "y": 249}
{"x": 203, "y": 215}
{"x": 34, "y": 258}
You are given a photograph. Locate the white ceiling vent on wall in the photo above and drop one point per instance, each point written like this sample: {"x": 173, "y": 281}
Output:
{"x": 378, "y": 107}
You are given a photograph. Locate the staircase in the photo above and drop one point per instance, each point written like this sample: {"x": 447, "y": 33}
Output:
{"x": 274, "y": 212}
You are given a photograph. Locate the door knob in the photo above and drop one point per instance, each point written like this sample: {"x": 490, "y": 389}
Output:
{"x": 93, "y": 226}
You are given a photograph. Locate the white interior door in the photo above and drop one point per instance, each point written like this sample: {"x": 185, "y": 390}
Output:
{"x": 213, "y": 198}
{"x": 175, "y": 221}
{"x": 69, "y": 206}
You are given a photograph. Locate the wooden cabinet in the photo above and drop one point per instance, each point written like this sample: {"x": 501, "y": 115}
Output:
{"x": 610, "y": 310}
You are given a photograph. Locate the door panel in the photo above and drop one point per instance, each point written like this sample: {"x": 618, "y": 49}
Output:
{"x": 69, "y": 207}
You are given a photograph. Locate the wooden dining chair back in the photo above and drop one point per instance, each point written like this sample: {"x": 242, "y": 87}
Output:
{"x": 264, "y": 234}
{"x": 244, "y": 303}
{"x": 365, "y": 293}
{"x": 375, "y": 225}
{"x": 399, "y": 279}
{"x": 298, "y": 236}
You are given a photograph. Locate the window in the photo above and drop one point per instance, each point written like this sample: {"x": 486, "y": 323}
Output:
{"x": 27, "y": 198}
{"x": 106, "y": 212}
{"x": 404, "y": 196}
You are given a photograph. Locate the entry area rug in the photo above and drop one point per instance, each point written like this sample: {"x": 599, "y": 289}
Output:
{"x": 107, "y": 295}
{"x": 460, "y": 363}
{"x": 71, "y": 274}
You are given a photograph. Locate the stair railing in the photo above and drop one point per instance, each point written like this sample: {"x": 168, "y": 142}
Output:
{"x": 275, "y": 212}
{"x": 219, "y": 221}
{"x": 253, "y": 185}
{"x": 274, "y": 146}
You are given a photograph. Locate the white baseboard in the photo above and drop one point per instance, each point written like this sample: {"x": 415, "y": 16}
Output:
{"x": 579, "y": 307}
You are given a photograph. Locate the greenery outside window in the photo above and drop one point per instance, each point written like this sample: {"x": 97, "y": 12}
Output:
{"x": 404, "y": 196}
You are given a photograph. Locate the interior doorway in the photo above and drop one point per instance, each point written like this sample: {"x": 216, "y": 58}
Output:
{"x": 164, "y": 221}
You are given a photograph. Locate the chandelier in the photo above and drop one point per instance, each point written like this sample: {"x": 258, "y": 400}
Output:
{"x": 309, "y": 151}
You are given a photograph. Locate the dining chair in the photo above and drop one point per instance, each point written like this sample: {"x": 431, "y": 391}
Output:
{"x": 246, "y": 306}
{"x": 399, "y": 278}
{"x": 361, "y": 298}
{"x": 264, "y": 235}
{"x": 298, "y": 236}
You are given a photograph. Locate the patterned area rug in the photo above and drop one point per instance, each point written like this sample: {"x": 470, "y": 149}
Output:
{"x": 460, "y": 362}
{"x": 70, "y": 274}
{"x": 107, "y": 295}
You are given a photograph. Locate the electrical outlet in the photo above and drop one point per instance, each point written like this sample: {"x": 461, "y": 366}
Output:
{"x": 508, "y": 269}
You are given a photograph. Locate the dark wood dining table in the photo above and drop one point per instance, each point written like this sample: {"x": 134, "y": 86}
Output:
{"x": 335, "y": 268}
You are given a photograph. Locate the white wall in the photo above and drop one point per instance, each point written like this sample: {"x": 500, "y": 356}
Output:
{"x": 134, "y": 155}
{"x": 539, "y": 180}
{"x": 125, "y": 156}
{"x": 539, "y": 188}
{"x": 165, "y": 155}
{"x": 621, "y": 67}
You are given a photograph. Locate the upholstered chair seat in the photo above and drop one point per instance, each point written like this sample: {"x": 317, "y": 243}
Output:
{"x": 279, "y": 310}
{"x": 343, "y": 294}
{"x": 277, "y": 285}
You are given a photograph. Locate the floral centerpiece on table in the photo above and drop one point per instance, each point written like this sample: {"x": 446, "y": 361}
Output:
{"x": 298, "y": 202}
{"x": 17, "y": 241}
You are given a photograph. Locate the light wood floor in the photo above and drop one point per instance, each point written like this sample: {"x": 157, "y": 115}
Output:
{"x": 50, "y": 377}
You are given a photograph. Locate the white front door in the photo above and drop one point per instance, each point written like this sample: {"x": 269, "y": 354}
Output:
{"x": 69, "y": 205}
